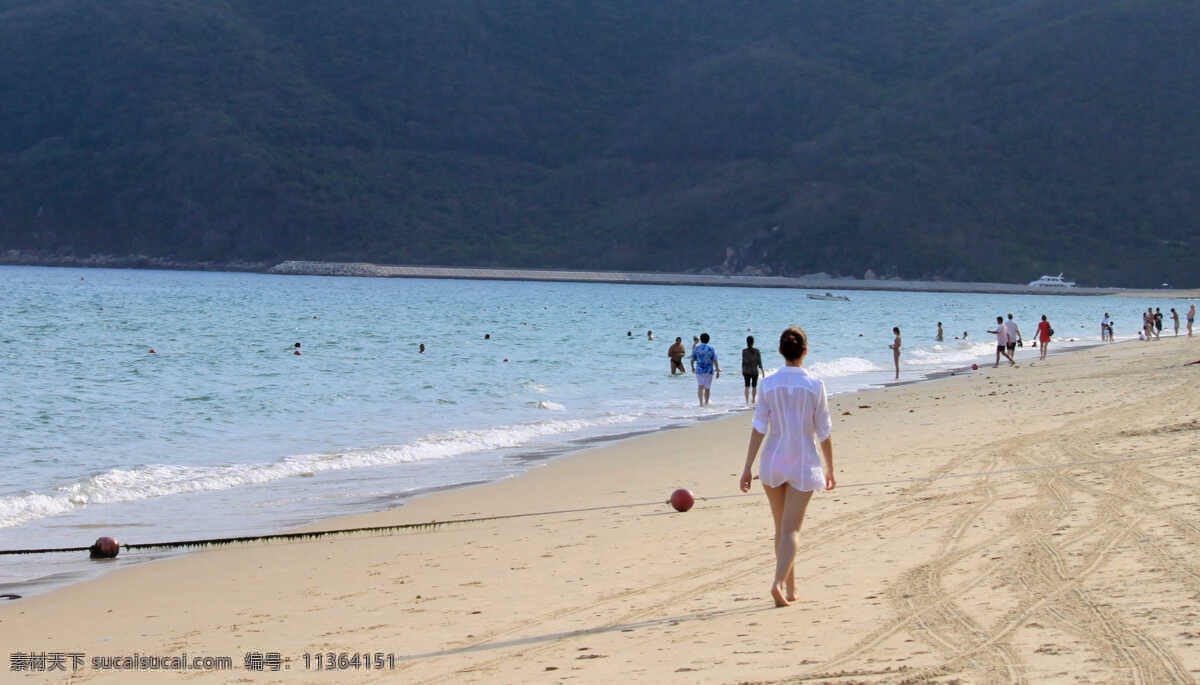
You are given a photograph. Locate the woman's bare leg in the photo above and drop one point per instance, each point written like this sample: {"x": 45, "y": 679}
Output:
{"x": 778, "y": 498}
{"x": 787, "y": 508}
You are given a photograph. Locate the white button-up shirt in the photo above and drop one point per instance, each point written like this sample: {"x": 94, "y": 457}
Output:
{"x": 793, "y": 413}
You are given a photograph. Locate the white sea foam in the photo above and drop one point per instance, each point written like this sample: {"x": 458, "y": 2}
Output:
{"x": 843, "y": 366}
{"x": 158, "y": 480}
{"x": 552, "y": 406}
{"x": 947, "y": 353}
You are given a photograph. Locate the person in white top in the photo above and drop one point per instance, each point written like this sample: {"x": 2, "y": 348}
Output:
{"x": 793, "y": 416}
{"x": 1002, "y": 342}
{"x": 1014, "y": 336}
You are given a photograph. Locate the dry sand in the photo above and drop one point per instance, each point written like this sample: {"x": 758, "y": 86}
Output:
{"x": 1036, "y": 524}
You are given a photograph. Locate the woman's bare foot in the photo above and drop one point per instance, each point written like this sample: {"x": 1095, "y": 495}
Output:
{"x": 777, "y": 593}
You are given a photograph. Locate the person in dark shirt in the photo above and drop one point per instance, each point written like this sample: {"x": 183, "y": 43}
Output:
{"x": 751, "y": 365}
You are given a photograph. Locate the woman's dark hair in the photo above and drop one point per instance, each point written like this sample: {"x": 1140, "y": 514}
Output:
{"x": 896, "y": 330}
{"x": 793, "y": 343}
{"x": 1043, "y": 317}
{"x": 749, "y": 341}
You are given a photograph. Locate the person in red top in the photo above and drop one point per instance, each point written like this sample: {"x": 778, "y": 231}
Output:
{"x": 1043, "y": 333}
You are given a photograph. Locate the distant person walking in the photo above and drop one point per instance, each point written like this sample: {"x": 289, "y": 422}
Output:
{"x": 751, "y": 365}
{"x": 1191, "y": 317}
{"x": 939, "y": 337}
{"x": 794, "y": 418}
{"x": 1175, "y": 319}
{"x": 1104, "y": 328}
{"x": 895, "y": 348}
{"x": 1044, "y": 332}
{"x": 1014, "y": 336}
{"x": 1001, "y": 342}
{"x": 676, "y": 352}
{"x": 704, "y": 361}
{"x": 1158, "y": 319}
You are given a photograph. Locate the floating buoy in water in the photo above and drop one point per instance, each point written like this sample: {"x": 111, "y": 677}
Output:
{"x": 682, "y": 499}
{"x": 152, "y": 351}
{"x": 104, "y": 548}
{"x": 297, "y": 353}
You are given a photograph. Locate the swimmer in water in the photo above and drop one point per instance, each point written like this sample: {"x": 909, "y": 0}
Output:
{"x": 422, "y": 349}
{"x": 675, "y": 353}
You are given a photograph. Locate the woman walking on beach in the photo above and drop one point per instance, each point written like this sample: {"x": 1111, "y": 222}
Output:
{"x": 1044, "y": 332}
{"x": 794, "y": 413}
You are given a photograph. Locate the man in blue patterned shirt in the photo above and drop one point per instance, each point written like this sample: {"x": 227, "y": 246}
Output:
{"x": 704, "y": 360}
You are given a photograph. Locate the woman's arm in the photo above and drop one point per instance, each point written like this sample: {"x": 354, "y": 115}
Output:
{"x": 827, "y": 462}
{"x": 756, "y": 439}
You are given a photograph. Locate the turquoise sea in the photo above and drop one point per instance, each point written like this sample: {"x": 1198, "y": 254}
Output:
{"x": 223, "y": 430}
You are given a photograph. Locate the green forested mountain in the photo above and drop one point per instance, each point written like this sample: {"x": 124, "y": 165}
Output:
{"x": 964, "y": 139}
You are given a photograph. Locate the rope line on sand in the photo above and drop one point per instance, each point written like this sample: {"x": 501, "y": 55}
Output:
{"x": 430, "y": 525}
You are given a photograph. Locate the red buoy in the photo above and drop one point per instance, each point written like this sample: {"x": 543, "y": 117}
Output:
{"x": 297, "y": 353}
{"x": 682, "y": 499}
{"x": 152, "y": 351}
{"x": 104, "y": 548}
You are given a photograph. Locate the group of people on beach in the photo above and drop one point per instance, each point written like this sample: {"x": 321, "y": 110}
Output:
{"x": 1009, "y": 338}
{"x": 705, "y": 366}
{"x": 1152, "y": 322}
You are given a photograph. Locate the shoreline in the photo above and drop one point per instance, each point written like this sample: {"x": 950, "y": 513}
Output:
{"x": 810, "y": 282}
{"x": 52, "y": 583}
{"x": 1005, "y": 506}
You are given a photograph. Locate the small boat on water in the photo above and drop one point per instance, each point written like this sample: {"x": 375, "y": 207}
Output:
{"x": 1048, "y": 281}
{"x": 828, "y": 296}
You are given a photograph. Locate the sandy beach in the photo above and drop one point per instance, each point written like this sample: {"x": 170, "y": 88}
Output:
{"x": 1031, "y": 524}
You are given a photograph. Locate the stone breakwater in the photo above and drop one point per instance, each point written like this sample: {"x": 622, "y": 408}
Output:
{"x": 813, "y": 282}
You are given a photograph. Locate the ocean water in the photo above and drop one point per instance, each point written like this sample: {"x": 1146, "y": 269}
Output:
{"x": 224, "y": 431}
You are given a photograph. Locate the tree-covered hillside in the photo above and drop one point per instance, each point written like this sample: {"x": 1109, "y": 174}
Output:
{"x": 966, "y": 139}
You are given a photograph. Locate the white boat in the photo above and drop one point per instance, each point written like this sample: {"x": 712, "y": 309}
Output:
{"x": 829, "y": 296}
{"x": 1048, "y": 281}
